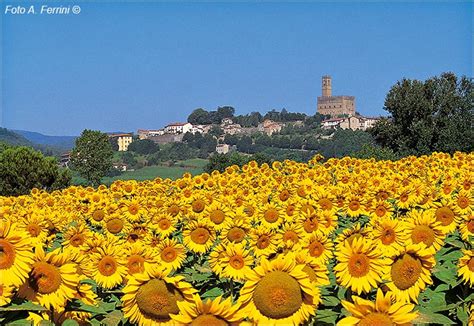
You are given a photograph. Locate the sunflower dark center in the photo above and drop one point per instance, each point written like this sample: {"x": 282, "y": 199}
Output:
{"x": 278, "y": 295}
{"x": 7, "y": 254}
{"x": 406, "y": 271}
{"x": 157, "y": 300}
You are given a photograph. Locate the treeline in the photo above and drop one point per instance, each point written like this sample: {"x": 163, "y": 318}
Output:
{"x": 341, "y": 143}
{"x": 202, "y": 116}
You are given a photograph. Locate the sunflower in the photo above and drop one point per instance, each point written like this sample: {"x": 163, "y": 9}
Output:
{"x": 52, "y": 280}
{"x": 84, "y": 293}
{"x": 290, "y": 236}
{"x": 234, "y": 261}
{"x": 318, "y": 273}
{"x": 171, "y": 254}
{"x": 271, "y": 216}
{"x": 262, "y": 241}
{"x": 410, "y": 272}
{"x": 278, "y": 292}
{"x": 132, "y": 210}
{"x": 464, "y": 202}
{"x": 380, "y": 209}
{"x": 211, "y": 312}
{"x": 115, "y": 224}
{"x": 75, "y": 236}
{"x": 235, "y": 231}
{"x": 406, "y": 197}
{"x": 163, "y": 223}
{"x": 318, "y": 248}
{"x": 327, "y": 222}
{"x": 6, "y": 294}
{"x": 139, "y": 258}
{"x": 444, "y": 213}
{"x": 16, "y": 254}
{"x": 325, "y": 200}
{"x": 422, "y": 227}
{"x": 109, "y": 266}
{"x": 37, "y": 227}
{"x": 389, "y": 234}
{"x": 384, "y": 311}
{"x": 360, "y": 265}
{"x": 466, "y": 227}
{"x": 217, "y": 214}
{"x": 151, "y": 298}
{"x": 466, "y": 267}
{"x": 198, "y": 202}
{"x": 355, "y": 232}
{"x": 198, "y": 236}
{"x": 355, "y": 206}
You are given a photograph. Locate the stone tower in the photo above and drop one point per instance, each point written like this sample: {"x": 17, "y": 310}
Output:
{"x": 327, "y": 88}
{"x": 335, "y": 106}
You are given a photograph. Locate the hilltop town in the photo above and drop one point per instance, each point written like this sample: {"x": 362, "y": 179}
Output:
{"x": 334, "y": 112}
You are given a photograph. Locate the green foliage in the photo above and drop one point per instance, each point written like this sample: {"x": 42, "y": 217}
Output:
{"x": 13, "y": 138}
{"x": 114, "y": 143}
{"x": 144, "y": 146}
{"x": 220, "y": 162}
{"x": 344, "y": 142}
{"x": 22, "y": 169}
{"x": 373, "y": 151}
{"x": 434, "y": 115}
{"x": 248, "y": 120}
{"x": 204, "y": 143}
{"x": 92, "y": 156}
{"x": 129, "y": 159}
{"x": 203, "y": 117}
{"x": 173, "y": 152}
{"x": 284, "y": 116}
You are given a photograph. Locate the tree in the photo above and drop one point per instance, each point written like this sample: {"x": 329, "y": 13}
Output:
{"x": 92, "y": 156}
{"x": 144, "y": 146}
{"x": 434, "y": 115}
{"x": 200, "y": 117}
{"x": 23, "y": 168}
{"x": 129, "y": 159}
{"x": 114, "y": 143}
{"x": 216, "y": 131}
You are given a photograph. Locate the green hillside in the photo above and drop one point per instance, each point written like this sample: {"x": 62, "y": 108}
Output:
{"x": 13, "y": 138}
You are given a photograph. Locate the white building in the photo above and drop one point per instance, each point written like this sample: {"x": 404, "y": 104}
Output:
{"x": 145, "y": 133}
{"x": 351, "y": 122}
{"x": 178, "y": 128}
{"x": 224, "y": 148}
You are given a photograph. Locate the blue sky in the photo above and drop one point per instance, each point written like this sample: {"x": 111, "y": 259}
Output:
{"x": 123, "y": 66}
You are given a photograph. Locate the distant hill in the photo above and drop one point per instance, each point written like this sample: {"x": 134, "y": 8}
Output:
{"x": 13, "y": 138}
{"x": 61, "y": 142}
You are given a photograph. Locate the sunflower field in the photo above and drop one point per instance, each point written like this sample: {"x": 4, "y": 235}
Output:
{"x": 346, "y": 242}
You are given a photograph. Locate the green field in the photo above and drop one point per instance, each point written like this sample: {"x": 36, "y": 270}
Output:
{"x": 194, "y": 166}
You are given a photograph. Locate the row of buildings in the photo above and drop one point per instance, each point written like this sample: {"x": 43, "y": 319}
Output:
{"x": 340, "y": 108}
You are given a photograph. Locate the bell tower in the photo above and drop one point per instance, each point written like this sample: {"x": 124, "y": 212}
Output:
{"x": 327, "y": 88}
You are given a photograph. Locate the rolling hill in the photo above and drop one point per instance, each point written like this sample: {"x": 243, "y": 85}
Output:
{"x": 61, "y": 142}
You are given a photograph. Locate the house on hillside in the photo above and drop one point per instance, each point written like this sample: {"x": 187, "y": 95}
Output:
{"x": 65, "y": 159}
{"x": 225, "y": 148}
{"x": 120, "y": 166}
{"x": 178, "y": 128}
{"x": 353, "y": 122}
{"x": 232, "y": 129}
{"x": 145, "y": 133}
{"x": 269, "y": 127}
{"x": 123, "y": 140}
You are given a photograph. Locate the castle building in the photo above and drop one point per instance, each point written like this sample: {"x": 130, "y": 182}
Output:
{"x": 334, "y": 106}
{"x": 123, "y": 140}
